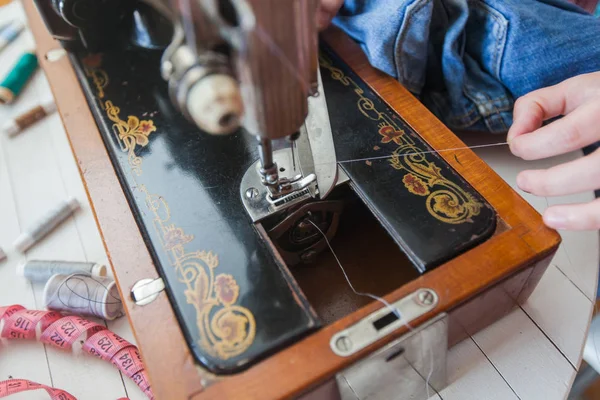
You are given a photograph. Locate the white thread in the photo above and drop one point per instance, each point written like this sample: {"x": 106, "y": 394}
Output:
{"x": 414, "y": 154}
{"x": 388, "y": 305}
{"x": 394, "y": 310}
{"x": 82, "y": 294}
{"x": 430, "y": 366}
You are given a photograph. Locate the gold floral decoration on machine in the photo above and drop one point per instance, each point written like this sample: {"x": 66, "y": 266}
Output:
{"x": 445, "y": 200}
{"x": 226, "y": 330}
{"x": 131, "y": 133}
{"x": 100, "y": 78}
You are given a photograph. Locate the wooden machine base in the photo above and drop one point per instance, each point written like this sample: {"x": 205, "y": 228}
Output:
{"x": 475, "y": 288}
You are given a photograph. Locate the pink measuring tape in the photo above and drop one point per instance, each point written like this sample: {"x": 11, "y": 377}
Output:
{"x": 13, "y": 386}
{"x": 60, "y": 331}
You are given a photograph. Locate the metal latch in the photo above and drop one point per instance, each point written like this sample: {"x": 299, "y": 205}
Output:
{"x": 412, "y": 367}
{"x": 146, "y": 291}
{"x": 382, "y": 322}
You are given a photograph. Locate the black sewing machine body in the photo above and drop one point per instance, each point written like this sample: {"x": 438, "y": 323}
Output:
{"x": 236, "y": 299}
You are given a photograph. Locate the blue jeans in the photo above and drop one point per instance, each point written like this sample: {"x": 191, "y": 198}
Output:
{"x": 468, "y": 60}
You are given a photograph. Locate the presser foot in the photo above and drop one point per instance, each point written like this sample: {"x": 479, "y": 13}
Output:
{"x": 282, "y": 185}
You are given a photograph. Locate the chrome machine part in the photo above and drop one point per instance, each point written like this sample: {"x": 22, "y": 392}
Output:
{"x": 382, "y": 322}
{"x": 291, "y": 188}
{"x": 315, "y": 155}
{"x": 202, "y": 84}
{"x": 320, "y": 137}
{"x": 412, "y": 366}
{"x": 202, "y": 87}
{"x": 257, "y": 197}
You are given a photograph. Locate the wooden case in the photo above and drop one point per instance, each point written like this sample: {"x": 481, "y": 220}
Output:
{"x": 475, "y": 288}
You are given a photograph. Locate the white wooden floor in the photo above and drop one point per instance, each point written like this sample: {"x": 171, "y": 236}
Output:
{"x": 531, "y": 354}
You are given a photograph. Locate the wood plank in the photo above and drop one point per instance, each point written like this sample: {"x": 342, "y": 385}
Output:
{"x": 565, "y": 291}
{"x": 16, "y": 358}
{"x": 89, "y": 237}
{"x": 39, "y": 183}
{"x": 38, "y": 186}
{"x": 562, "y": 312}
{"x": 526, "y": 358}
{"x": 577, "y": 257}
{"x": 472, "y": 377}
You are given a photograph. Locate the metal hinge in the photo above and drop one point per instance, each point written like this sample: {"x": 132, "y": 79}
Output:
{"x": 146, "y": 291}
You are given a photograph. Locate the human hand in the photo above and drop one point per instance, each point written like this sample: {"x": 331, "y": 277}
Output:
{"x": 578, "y": 99}
{"x": 327, "y": 10}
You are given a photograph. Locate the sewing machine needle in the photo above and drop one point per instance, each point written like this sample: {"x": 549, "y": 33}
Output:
{"x": 293, "y": 144}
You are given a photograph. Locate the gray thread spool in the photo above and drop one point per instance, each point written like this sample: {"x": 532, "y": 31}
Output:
{"x": 83, "y": 295}
{"x": 46, "y": 224}
{"x": 41, "y": 271}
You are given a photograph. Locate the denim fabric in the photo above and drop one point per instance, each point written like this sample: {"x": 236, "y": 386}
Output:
{"x": 468, "y": 60}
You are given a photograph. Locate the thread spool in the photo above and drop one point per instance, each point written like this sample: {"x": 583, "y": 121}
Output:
{"x": 29, "y": 118}
{"x": 40, "y": 271}
{"x": 5, "y": 25}
{"x": 46, "y": 224}
{"x": 83, "y": 295}
{"x": 9, "y": 33}
{"x": 2, "y": 255}
{"x": 20, "y": 74}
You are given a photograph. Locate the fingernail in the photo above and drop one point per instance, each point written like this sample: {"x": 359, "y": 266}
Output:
{"x": 556, "y": 219}
{"x": 513, "y": 148}
{"x": 522, "y": 182}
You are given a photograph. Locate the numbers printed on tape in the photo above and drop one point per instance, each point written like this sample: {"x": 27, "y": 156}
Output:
{"x": 62, "y": 332}
{"x": 13, "y": 386}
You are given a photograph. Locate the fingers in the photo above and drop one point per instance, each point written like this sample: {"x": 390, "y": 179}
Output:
{"x": 323, "y": 19}
{"x": 576, "y": 176}
{"x": 530, "y": 111}
{"x": 533, "y": 109}
{"x": 327, "y": 11}
{"x": 574, "y": 216}
{"x": 578, "y": 129}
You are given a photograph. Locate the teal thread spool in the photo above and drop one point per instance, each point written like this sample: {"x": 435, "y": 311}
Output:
{"x": 15, "y": 81}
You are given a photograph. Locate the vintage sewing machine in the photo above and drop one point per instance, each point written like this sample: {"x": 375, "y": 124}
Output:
{"x": 220, "y": 143}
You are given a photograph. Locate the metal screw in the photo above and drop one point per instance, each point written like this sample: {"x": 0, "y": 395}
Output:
{"x": 426, "y": 297}
{"x": 252, "y": 193}
{"x": 272, "y": 178}
{"x": 343, "y": 344}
